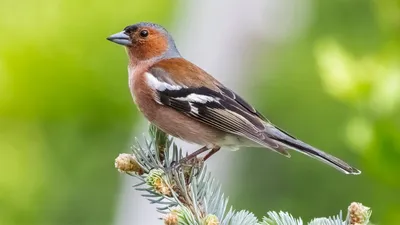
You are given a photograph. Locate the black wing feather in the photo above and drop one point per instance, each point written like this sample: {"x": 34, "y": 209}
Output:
{"x": 222, "y": 109}
{"x": 228, "y": 112}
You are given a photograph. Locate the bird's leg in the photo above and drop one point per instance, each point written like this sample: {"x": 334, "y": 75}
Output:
{"x": 193, "y": 155}
{"x": 185, "y": 160}
{"x": 212, "y": 152}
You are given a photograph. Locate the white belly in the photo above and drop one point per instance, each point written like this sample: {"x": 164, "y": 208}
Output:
{"x": 235, "y": 142}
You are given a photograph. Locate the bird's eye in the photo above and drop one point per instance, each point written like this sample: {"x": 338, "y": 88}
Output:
{"x": 144, "y": 33}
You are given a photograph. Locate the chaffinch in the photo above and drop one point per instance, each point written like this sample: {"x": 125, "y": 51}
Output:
{"x": 186, "y": 102}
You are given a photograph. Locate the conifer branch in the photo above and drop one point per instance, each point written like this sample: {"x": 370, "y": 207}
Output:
{"x": 186, "y": 194}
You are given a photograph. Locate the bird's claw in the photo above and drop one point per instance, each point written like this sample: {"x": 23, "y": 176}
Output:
{"x": 185, "y": 163}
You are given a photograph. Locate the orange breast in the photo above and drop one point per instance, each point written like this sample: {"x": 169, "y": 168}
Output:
{"x": 170, "y": 120}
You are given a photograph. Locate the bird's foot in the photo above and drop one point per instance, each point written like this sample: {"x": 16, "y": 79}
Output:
{"x": 187, "y": 165}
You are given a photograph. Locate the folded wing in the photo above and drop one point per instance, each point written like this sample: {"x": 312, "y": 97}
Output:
{"x": 185, "y": 87}
{"x": 218, "y": 107}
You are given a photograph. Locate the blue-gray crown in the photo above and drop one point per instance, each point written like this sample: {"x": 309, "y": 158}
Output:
{"x": 172, "y": 51}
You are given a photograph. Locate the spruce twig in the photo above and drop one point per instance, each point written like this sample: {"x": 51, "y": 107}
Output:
{"x": 186, "y": 194}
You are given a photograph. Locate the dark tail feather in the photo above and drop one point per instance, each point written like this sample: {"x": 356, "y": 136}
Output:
{"x": 291, "y": 142}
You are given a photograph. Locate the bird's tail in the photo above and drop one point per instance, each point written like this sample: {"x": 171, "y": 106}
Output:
{"x": 289, "y": 141}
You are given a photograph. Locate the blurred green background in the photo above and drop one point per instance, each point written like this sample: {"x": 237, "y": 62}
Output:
{"x": 66, "y": 111}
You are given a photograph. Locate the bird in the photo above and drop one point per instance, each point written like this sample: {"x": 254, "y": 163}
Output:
{"x": 186, "y": 102}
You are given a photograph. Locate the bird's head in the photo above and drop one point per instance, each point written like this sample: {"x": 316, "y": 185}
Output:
{"x": 146, "y": 41}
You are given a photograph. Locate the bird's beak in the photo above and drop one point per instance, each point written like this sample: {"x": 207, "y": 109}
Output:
{"x": 120, "y": 38}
